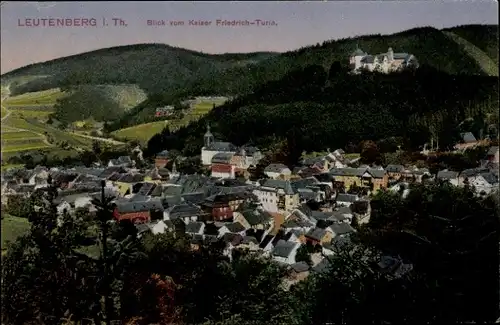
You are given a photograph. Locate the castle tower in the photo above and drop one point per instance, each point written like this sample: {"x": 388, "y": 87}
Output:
{"x": 208, "y": 138}
{"x": 356, "y": 57}
{"x": 390, "y": 54}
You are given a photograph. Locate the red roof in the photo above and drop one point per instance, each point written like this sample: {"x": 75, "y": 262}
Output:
{"x": 221, "y": 168}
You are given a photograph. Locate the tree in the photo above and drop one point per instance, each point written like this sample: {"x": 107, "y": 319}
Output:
{"x": 303, "y": 255}
{"x": 335, "y": 70}
{"x": 370, "y": 153}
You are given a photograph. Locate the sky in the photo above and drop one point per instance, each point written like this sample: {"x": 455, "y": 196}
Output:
{"x": 297, "y": 24}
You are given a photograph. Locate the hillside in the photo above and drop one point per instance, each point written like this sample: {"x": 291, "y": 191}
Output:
{"x": 313, "y": 110}
{"x": 167, "y": 73}
{"x": 431, "y": 46}
{"x": 152, "y": 67}
{"x": 485, "y": 37}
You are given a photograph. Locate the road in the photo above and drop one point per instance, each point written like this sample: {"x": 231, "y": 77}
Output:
{"x": 112, "y": 141}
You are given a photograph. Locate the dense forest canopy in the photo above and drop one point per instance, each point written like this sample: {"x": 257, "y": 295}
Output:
{"x": 314, "y": 110}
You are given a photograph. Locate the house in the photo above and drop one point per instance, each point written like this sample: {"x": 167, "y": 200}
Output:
{"x": 125, "y": 182}
{"x": 361, "y": 177}
{"x": 394, "y": 171}
{"x": 212, "y": 147}
{"x": 162, "y": 226}
{"x": 162, "y": 158}
{"x": 195, "y": 228}
{"x": 302, "y": 226}
{"x": 220, "y": 207}
{"x": 493, "y": 154}
{"x": 383, "y": 63}
{"x": 482, "y": 179}
{"x": 250, "y": 156}
{"x": 298, "y": 272}
{"x": 249, "y": 243}
{"x": 309, "y": 189}
{"x": 234, "y": 228}
{"x": 231, "y": 241}
{"x": 346, "y": 200}
{"x": 254, "y": 219}
{"x": 467, "y": 141}
{"x": 276, "y": 170}
{"x": 285, "y": 252}
{"x": 448, "y": 176}
{"x": 138, "y": 212}
{"x": 276, "y": 196}
{"x": 340, "y": 229}
{"x": 122, "y": 161}
{"x": 318, "y": 236}
{"x": 221, "y": 165}
{"x": 184, "y": 211}
{"x": 336, "y": 159}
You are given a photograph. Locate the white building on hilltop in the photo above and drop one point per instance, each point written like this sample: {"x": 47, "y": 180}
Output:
{"x": 384, "y": 62}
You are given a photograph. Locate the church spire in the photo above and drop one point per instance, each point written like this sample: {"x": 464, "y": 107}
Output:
{"x": 208, "y": 138}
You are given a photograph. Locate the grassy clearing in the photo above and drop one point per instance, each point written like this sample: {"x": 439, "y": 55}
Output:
{"x": 12, "y": 228}
{"x": 141, "y": 132}
{"x": 45, "y": 97}
{"x": 352, "y": 155}
{"x": 4, "y": 111}
{"x": 144, "y": 132}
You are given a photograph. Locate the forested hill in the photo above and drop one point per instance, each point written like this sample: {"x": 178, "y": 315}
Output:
{"x": 152, "y": 67}
{"x": 167, "y": 73}
{"x": 432, "y": 47}
{"x": 314, "y": 109}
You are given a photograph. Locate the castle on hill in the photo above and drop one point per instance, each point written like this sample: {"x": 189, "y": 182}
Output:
{"x": 384, "y": 62}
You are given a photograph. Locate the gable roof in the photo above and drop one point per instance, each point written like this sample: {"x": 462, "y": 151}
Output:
{"x": 316, "y": 234}
{"x": 283, "y": 248}
{"x": 394, "y": 168}
{"x": 344, "y": 197}
{"x": 183, "y": 210}
{"x": 130, "y": 207}
{"x": 468, "y": 137}
{"x": 194, "y": 227}
{"x": 492, "y": 151}
{"x": 255, "y": 217}
{"x": 279, "y": 184}
{"x": 222, "y": 146}
{"x": 222, "y": 158}
{"x": 275, "y": 168}
{"x": 447, "y": 174}
{"x": 235, "y": 227}
{"x": 341, "y": 228}
{"x": 300, "y": 267}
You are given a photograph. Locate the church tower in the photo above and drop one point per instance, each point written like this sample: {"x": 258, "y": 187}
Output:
{"x": 390, "y": 54}
{"x": 208, "y": 138}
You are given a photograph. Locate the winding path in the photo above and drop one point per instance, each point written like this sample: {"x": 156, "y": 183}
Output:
{"x": 5, "y": 95}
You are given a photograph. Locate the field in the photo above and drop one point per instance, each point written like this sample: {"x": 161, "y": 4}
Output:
{"x": 45, "y": 97}
{"x": 13, "y": 227}
{"x": 141, "y": 132}
{"x": 144, "y": 132}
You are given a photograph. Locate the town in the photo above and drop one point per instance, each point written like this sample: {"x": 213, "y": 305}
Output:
{"x": 337, "y": 164}
{"x": 313, "y": 205}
